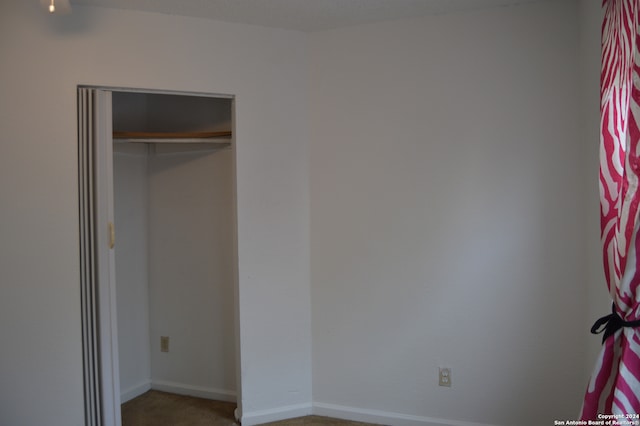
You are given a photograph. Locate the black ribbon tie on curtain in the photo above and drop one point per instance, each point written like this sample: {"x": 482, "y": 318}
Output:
{"x": 612, "y": 323}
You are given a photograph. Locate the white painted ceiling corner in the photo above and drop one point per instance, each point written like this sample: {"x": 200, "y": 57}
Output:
{"x": 303, "y": 15}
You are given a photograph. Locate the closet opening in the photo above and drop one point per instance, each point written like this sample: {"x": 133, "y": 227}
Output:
{"x": 158, "y": 248}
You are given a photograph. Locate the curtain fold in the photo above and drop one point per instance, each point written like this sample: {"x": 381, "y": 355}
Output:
{"x": 614, "y": 387}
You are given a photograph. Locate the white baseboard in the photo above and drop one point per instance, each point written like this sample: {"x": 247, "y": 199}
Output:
{"x": 298, "y": 410}
{"x": 275, "y": 414}
{"x": 383, "y": 417}
{"x": 200, "y": 392}
{"x": 134, "y": 391}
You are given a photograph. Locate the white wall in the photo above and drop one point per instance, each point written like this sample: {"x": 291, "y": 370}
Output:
{"x": 131, "y": 194}
{"x": 46, "y": 57}
{"x": 599, "y": 301}
{"x": 420, "y": 203}
{"x": 447, "y": 223}
{"x": 191, "y": 272}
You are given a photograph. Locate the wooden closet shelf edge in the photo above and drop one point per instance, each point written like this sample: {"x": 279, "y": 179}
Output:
{"x": 170, "y": 135}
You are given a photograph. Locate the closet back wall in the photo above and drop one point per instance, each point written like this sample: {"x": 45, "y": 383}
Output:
{"x": 191, "y": 272}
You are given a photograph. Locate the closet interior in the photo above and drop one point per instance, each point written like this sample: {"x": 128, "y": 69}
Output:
{"x": 175, "y": 244}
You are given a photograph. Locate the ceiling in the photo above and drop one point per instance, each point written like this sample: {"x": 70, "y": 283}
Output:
{"x": 303, "y": 15}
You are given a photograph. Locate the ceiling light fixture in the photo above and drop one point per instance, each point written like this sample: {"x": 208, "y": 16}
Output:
{"x": 56, "y": 7}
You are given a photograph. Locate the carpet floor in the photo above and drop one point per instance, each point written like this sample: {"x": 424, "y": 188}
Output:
{"x": 155, "y": 408}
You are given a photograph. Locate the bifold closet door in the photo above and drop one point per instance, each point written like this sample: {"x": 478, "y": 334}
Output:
{"x": 97, "y": 266}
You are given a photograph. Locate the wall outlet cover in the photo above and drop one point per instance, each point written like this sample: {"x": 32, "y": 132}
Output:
{"x": 444, "y": 377}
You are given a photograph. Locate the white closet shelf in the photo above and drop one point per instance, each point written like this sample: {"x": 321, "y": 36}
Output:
{"x": 221, "y": 137}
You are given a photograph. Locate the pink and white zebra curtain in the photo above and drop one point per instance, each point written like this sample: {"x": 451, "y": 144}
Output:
{"x": 614, "y": 387}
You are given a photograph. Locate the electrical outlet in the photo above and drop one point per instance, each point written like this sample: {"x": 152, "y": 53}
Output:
{"x": 164, "y": 343}
{"x": 444, "y": 377}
